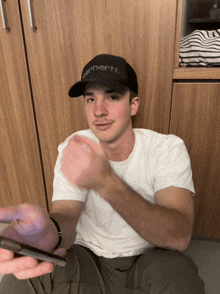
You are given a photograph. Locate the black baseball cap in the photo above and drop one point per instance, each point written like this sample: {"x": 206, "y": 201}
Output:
{"x": 107, "y": 70}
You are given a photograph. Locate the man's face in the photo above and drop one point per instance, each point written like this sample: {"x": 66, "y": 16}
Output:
{"x": 109, "y": 113}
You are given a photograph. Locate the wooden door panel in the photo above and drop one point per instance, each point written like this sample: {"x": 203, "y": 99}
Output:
{"x": 70, "y": 33}
{"x": 143, "y": 32}
{"x": 196, "y": 119}
{"x": 21, "y": 178}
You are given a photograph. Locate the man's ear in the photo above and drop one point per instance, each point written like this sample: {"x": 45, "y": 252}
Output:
{"x": 135, "y": 105}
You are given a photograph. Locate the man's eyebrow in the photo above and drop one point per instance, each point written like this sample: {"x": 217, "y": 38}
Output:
{"x": 88, "y": 93}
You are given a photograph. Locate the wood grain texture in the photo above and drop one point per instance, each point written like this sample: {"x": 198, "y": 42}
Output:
{"x": 179, "y": 21}
{"x": 196, "y": 73}
{"x": 21, "y": 178}
{"x": 69, "y": 34}
{"x": 196, "y": 119}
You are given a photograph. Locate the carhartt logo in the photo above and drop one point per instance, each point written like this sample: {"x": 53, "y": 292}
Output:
{"x": 101, "y": 67}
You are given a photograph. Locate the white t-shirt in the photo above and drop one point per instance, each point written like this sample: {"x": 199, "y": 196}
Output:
{"x": 157, "y": 161}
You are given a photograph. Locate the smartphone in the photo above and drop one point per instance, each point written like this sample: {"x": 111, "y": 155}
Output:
{"x": 23, "y": 249}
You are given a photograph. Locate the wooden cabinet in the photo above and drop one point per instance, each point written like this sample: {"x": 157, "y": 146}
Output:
{"x": 195, "y": 117}
{"x": 183, "y": 28}
{"x": 21, "y": 177}
{"x": 70, "y": 33}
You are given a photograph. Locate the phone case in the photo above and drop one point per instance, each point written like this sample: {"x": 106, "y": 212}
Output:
{"x": 23, "y": 249}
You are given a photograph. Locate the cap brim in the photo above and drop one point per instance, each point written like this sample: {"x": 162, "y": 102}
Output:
{"x": 78, "y": 88}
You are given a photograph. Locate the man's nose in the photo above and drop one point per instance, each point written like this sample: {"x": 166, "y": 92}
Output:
{"x": 100, "y": 109}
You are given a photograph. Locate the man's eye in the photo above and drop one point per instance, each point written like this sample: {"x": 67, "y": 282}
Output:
{"x": 89, "y": 100}
{"x": 114, "y": 97}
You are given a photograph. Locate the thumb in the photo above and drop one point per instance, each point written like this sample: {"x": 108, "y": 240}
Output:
{"x": 88, "y": 144}
{"x": 61, "y": 252}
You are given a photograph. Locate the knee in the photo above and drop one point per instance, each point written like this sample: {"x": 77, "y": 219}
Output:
{"x": 159, "y": 269}
{"x": 166, "y": 262}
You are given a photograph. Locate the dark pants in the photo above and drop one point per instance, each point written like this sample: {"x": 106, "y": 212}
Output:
{"x": 157, "y": 271}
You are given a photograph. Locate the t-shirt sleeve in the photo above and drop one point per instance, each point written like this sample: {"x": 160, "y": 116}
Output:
{"x": 173, "y": 166}
{"x": 62, "y": 189}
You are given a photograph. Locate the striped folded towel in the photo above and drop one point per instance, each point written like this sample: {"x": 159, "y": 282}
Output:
{"x": 200, "y": 48}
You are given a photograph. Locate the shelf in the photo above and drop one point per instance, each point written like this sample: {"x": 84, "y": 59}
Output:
{"x": 183, "y": 28}
{"x": 203, "y": 20}
{"x": 187, "y": 73}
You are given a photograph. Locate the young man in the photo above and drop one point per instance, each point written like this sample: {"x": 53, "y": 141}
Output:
{"x": 122, "y": 196}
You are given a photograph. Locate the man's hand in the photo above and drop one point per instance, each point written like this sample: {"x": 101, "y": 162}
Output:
{"x": 84, "y": 164}
{"x": 31, "y": 225}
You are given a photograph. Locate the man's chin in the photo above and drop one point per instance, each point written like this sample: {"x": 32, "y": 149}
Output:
{"x": 104, "y": 136}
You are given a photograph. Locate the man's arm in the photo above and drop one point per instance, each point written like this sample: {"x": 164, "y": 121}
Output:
{"x": 67, "y": 213}
{"x": 168, "y": 223}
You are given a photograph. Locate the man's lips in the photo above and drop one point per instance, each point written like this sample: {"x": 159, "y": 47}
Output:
{"x": 103, "y": 125}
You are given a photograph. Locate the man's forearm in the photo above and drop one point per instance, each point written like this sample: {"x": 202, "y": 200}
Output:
{"x": 161, "y": 226}
{"x": 66, "y": 224}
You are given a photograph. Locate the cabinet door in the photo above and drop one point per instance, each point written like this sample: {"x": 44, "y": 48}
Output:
{"x": 196, "y": 119}
{"x": 21, "y": 178}
{"x": 70, "y": 33}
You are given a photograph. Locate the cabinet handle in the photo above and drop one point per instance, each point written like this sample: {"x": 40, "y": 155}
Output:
{"x": 31, "y": 14}
{"x": 3, "y": 13}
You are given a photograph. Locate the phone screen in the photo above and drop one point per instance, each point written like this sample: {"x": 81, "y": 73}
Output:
{"x": 23, "y": 249}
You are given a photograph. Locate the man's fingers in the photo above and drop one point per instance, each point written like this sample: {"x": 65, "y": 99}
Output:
{"x": 17, "y": 264}
{"x": 6, "y": 255}
{"x": 86, "y": 142}
{"x": 22, "y": 211}
{"x": 41, "y": 269}
{"x": 25, "y": 267}
{"x": 8, "y": 214}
